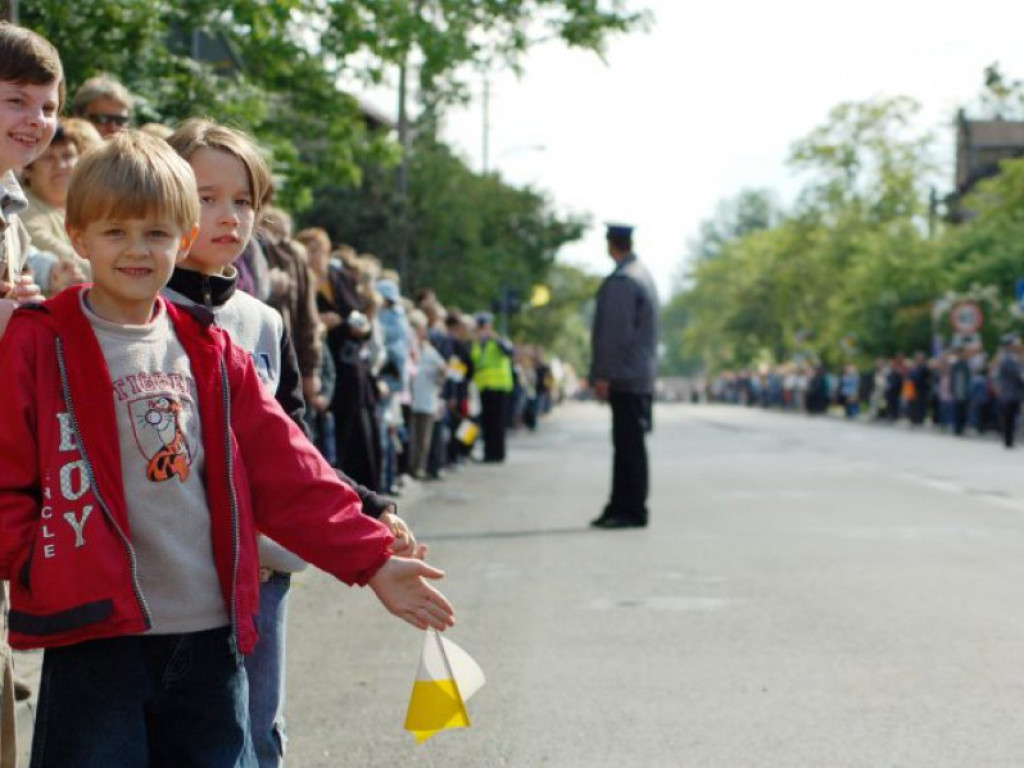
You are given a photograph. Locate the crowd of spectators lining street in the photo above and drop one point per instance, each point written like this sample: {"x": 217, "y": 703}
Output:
{"x": 393, "y": 386}
{"x": 964, "y": 390}
{"x": 388, "y": 380}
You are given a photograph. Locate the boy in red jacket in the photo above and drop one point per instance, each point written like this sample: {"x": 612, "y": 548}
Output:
{"x": 141, "y": 456}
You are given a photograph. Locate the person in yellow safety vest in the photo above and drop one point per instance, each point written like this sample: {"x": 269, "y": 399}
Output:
{"x": 492, "y": 374}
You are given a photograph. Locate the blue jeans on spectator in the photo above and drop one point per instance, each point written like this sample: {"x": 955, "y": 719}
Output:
{"x": 976, "y": 405}
{"x": 265, "y": 668}
{"x": 144, "y": 701}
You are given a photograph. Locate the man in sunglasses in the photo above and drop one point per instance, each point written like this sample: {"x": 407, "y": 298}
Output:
{"x": 105, "y": 103}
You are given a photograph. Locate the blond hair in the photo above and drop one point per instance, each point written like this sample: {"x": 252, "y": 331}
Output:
{"x": 100, "y": 87}
{"x": 81, "y": 133}
{"x": 132, "y": 176}
{"x": 199, "y": 133}
{"x": 418, "y": 319}
{"x": 314, "y": 235}
{"x": 347, "y": 255}
{"x": 159, "y": 130}
{"x": 276, "y": 222}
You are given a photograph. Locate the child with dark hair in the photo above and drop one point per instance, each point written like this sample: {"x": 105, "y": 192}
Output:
{"x": 31, "y": 96}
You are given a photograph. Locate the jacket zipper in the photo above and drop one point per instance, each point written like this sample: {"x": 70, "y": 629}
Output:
{"x": 66, "y": 387}
{"x": 207, "y": 293}
{"x": 226, "y": 398}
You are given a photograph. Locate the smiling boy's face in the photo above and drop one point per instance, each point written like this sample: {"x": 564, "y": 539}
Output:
{"x": 28, "y": 120}
{"x": 132, "y": 259}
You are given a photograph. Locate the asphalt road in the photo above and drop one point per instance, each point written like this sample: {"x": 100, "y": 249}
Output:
{"x": 809, "y": 593}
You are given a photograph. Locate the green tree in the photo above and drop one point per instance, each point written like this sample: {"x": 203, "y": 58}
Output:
{"x": 868, "y": 159}
{"x": 1001, "y": 97}
{"x": 472, "y": 234}
{"x": 447, "y": 40}
{"x": 273, "y": 67}
{"x": 749, "y": 211}
{"x": 850, "y": 262}
{"x": 989, "y": 247}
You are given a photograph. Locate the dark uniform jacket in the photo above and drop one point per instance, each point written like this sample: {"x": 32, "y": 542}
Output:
{"x": 624, "y": 339}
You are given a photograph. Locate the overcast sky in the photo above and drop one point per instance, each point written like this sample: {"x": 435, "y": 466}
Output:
{"x": 708, "y": 102}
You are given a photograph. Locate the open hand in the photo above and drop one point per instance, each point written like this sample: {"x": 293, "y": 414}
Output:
{"x": 400, "y": 586}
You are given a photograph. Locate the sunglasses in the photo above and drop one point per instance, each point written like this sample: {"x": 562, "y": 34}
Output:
{"x": 103, "y": 119}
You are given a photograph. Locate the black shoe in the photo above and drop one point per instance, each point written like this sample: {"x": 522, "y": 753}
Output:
{"x": 618, "y": 521}
{"x": 600, "y": 520}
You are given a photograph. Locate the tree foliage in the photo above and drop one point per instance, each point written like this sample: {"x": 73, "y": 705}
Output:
{"x": 849, "y": 268}
{"x": 273, "y": 68}
{"x": 472, "y": 234}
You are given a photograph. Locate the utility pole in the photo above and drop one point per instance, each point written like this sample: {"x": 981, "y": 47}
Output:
{"x": 486, "y": 148}
{"x": 404, "y": 138}
{"x": 10, "y": 11}
{"x": 403, "y": 177}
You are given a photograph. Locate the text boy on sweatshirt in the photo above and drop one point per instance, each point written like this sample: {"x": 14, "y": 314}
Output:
{"x": 141, "y": 456}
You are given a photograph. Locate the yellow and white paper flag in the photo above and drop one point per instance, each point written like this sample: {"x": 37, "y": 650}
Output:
{"x": 446, "y": 678}
{"x": 467, "y": 432}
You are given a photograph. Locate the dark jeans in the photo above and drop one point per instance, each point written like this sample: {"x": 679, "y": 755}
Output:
{"x": 144, "y": 700}
{"x": 631, "y": 419}
{"x": 438, "y": 447}
{"x": 959, "y": 416}
{"x": 1010, "y": 409}
{"x": 918, "y": 408}
{"x": 493, "y": 423}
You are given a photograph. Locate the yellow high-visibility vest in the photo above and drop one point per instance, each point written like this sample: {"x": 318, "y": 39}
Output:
{"x": 492, "y": 368}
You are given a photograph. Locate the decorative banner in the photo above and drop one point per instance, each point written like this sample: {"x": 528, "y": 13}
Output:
{"x": 446, "y": 678}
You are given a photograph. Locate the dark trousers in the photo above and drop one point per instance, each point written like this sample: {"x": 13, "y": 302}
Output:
{"x": 959, "y": 416}
{"x": 493, "y": 423}
{"x": 438, "y": 447}
{"x": 144, "y": 701}
{"x": 1010, "y": 410}
{"x": 918, "y": 408}
{"x": 631, "y": 419}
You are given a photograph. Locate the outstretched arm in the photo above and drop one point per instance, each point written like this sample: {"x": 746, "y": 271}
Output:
{"x": 401, "y": 587}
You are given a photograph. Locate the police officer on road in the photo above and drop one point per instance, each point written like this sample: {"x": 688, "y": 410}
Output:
{"x": 624, "y": 344}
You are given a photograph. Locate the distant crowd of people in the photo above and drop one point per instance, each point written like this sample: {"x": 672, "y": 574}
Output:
{"x": 963, "y": 389}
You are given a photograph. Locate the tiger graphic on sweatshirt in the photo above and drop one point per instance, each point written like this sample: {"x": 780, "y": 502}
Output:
{"x": 158, "y": 426}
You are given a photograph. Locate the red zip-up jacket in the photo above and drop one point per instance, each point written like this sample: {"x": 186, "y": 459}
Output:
{"x": 65, "y": 532}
